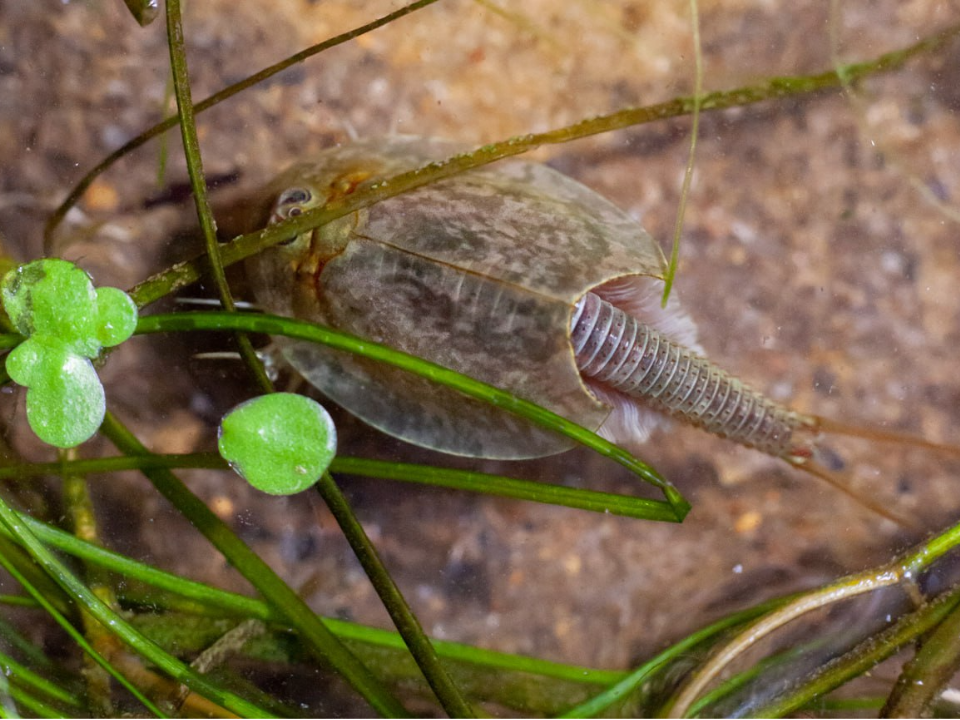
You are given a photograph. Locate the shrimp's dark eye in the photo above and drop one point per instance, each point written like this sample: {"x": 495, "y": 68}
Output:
{"x": 294, "y": 196}
{"x": 291, "y": 203}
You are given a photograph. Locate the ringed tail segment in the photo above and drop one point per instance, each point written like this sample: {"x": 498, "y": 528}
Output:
{"x": 620, "y": 352}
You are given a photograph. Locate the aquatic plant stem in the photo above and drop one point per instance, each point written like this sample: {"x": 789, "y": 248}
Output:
{"x": 676, "y": 505}
{"x": 926, "y": 676}
{"x": 844, "y": 589}
{"x": 903, "y": 572}
{"x": 465, "y": 480}
{"x": 79, "y": 505}
{"x": 198, "y": 183}
{"x": 402, "y": 616}
{"x": 242, "y": 606}
{"x": 617, "y": 691}
{"x": 92, "y": 604}
{"x": 863, "y": 658}
{"x": 674, "y": 260}
{"x": 182, "y": 274}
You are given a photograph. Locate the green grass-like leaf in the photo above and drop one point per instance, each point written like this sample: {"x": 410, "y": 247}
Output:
{"x": 300, "y": 330}
{"x": 219, "y": 602}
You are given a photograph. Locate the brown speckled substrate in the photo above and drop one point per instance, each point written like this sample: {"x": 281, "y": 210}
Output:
{"x": 821, "y": 259}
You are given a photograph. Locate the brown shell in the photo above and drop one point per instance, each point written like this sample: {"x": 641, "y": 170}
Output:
{"x": 478, "y": 273}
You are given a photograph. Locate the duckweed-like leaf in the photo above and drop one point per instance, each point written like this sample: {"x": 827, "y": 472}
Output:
{"x": 280, "y": 443}
{"x": 116, "y": 316}
{"x": 52, "y": 297}
{"x": 65, "y": 400}
{"x": 67, "y": 322}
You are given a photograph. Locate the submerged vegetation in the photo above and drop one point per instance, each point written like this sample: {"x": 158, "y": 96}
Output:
{"x": 176, "y": 645}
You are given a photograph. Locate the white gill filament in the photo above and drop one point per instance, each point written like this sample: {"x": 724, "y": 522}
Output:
{"x": 624, "y": 354}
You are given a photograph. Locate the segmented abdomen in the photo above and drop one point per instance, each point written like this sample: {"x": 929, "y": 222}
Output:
{"x": 623, "y": 353}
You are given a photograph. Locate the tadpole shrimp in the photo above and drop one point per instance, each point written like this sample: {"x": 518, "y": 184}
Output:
{"x": 520, "y": 277}
{"x": 625, "y": 360}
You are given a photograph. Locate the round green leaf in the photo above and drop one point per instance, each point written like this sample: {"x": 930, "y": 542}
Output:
{"x": 117, "y": 316}
{"x": 53, "y": 297}
{"x": 280, "y": 443}
{"x": 65, "y": 401}
{"x": 25, "y": 363}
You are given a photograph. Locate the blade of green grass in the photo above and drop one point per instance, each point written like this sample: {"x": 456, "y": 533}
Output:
{"x": 70, "y": 584}
{"x": 28, "y": 569}
{"x": 17, "y": 601}
{"x": 300, "y": 330}
{"x": 497, "y": 485}
{"x": 7, "y": 703}
{"x": 35, "y": 705}
{"x": 691, "y": 155}
{"x": 28, "y": 678}
{"x": 182, "y": 274}
{"x": 429, "y": 475}
{"x": 436, "y": 675}
{"x": 28, "y": 651}
{"x": 242, "y": 606}
{"x": 198, "y": 183}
